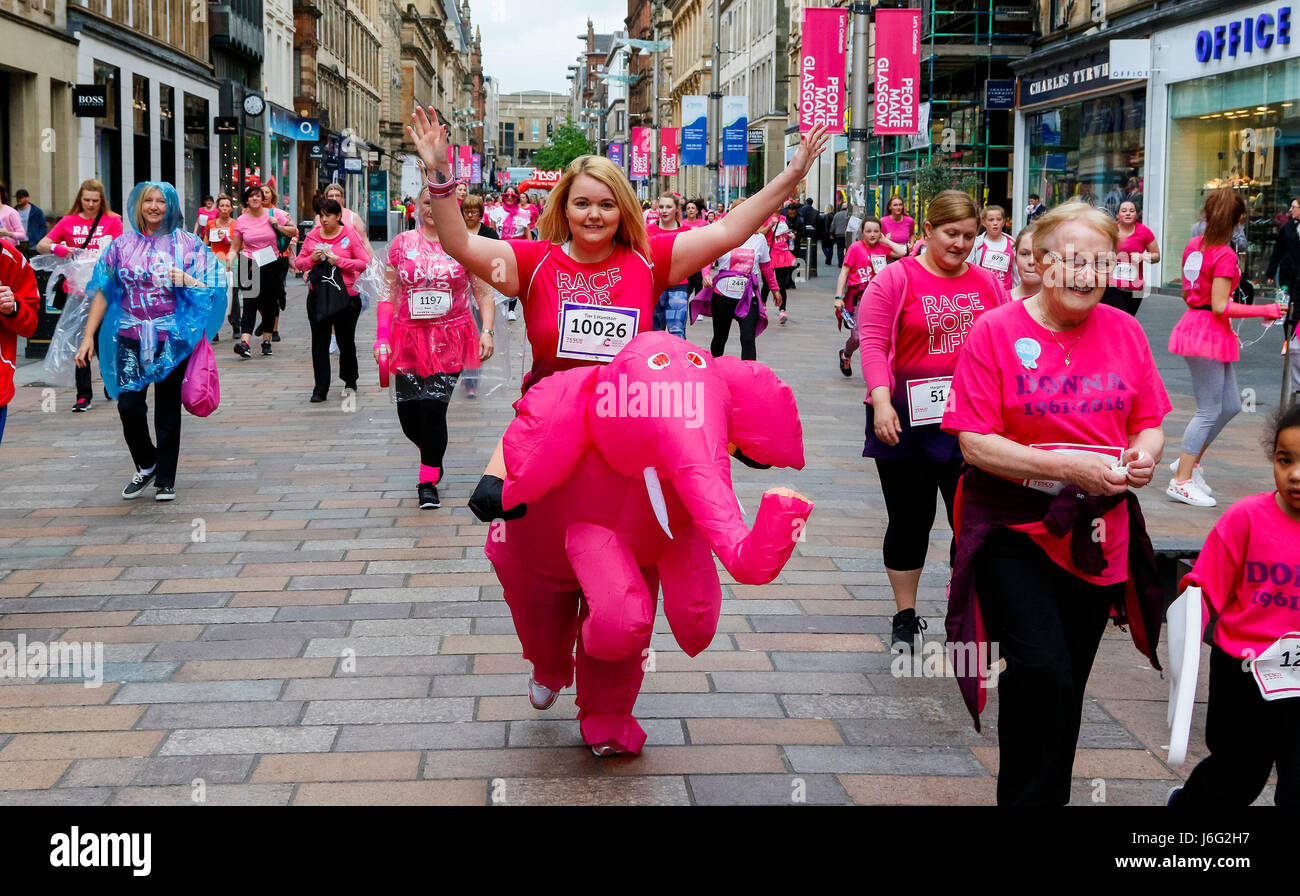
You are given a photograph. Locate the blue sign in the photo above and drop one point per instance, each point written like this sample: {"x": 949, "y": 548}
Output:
{"x": 1000, "y": 94}
{"x": 735, "y": 131}
{"x": 695, "y": 130}
{"x": 1244, "y": 35}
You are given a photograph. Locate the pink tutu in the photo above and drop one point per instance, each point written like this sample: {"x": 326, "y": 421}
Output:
{"x": 782, "y": 258}
{"x": 445, "y": 346}
{"x": 1204, "y": 334}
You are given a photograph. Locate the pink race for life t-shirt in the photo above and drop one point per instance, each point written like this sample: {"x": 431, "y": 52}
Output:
{"x": 864, "y": 261}
{"x": 1129, "y": 257}
{"x": 899, "y": 231}
{"x": 923, "y": 338}
{"x": 72, "y": 230}
{"x": 1249, "y": 575}
{"x": 1012, "y": 380}
{"x": 549, "y": 276}
{"x": 1198, "y": 279}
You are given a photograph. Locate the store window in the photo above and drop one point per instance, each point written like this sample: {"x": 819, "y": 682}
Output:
{"x": 1091, "y": 151}
{"x": 196, "y": 153}
{"x": 1240, "y": 130}
{"x": 167, "y": 134}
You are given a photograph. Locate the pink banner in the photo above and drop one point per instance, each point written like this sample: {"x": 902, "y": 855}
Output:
{"x": 898, "y": 70}
{"x": 640, "y": 152}
{"x": 670, "y": 150}
{"x": 464, "y": 162}
{"x": 821, "y": 70}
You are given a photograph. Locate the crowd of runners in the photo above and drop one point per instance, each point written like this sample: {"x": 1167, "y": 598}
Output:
{"x": 1006, "y": 373}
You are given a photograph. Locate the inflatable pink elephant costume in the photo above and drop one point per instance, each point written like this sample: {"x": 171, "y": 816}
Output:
{"x": 626, "y": 470}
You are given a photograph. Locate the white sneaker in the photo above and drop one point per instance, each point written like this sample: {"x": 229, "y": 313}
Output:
{"x": 334, "y": 345}
{"x": 1189, "y": 493}
{"x": 1197, "y": 476}
{"x": 541, "y": 696}
{"x": 510, "y": 315}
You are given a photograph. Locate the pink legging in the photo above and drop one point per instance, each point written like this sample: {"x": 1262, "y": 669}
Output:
{"x": 549, "y": 624}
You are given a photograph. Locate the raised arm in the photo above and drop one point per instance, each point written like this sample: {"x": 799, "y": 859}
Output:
{"x": 694, "y": 248}
{"x": 490, "y": 260}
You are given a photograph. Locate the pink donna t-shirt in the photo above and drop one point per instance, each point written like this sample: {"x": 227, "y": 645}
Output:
{"x": 257, "y": 232}
{"x": 899, "y": 231}
{"x": 1012, "y": 380}
{"x": 1249, "y": 577}
{"x": 548, "y": 276}
{"x": 1130, "y": 252}
{"x": 864, "y": 262}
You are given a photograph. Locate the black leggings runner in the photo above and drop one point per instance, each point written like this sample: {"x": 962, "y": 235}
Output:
{"x": 424, "y": 421}
{"x": 909, "y": 486}
{"x": 723, "y": 310}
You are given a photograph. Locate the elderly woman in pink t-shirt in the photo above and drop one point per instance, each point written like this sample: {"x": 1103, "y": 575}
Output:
{"x": 1057, "y": 406}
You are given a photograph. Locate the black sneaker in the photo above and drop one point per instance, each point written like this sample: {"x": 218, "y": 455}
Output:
{"x": 317, "y": 398}
{"x": 846, "y": 366}
{"x": 242, "y": 349}
{"x": 428, "y": 496}
{"x": 275, "y": 335}
{"x": 165, "y": 493}
{"x": 137, "y": 485}
{"x": 907, "y": 631}
{"x": 83, "y": 404}
{"x": 266, "y": 348}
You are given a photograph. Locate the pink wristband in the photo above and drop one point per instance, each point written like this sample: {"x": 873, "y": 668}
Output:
{"x": 60, "y": 250}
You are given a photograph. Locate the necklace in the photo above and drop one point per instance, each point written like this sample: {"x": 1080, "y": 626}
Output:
{"x": 1052, "y": 333}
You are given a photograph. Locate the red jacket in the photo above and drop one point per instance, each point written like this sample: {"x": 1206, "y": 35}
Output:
{"x": 16, "y": 274}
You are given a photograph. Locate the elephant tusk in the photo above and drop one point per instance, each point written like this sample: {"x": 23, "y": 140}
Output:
{"x": 656, "y": 492}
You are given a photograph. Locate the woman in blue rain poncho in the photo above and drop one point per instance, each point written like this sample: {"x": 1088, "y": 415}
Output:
{"x": 157, "y": 289}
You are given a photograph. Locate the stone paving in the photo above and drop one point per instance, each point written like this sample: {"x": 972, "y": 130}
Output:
{"x": 293, "y": 629}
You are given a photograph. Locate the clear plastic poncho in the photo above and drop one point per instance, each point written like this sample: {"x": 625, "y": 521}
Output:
{"x": 76, "y": 268}
{"x": 151, "y": 326}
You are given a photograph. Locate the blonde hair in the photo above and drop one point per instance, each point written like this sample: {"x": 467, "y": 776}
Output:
{"x": 1026, "y": 231}
{"x": 137, "y": 212}
{"x": 950, "y": 206}
{"x": 1074, "y": 211}
{"x": 93, "y": 186}
{"x": 984, "y": 214}
{"x": 553, "y": 225}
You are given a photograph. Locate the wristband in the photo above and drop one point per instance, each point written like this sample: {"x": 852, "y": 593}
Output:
{"x": 60, "y": 250}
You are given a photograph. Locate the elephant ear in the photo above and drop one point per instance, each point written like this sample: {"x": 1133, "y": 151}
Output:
{"x": 548, "y": 436}
{"x": 764, "y": 419}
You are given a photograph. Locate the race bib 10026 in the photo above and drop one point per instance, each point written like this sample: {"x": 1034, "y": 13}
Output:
{"x": 595, "y": 332}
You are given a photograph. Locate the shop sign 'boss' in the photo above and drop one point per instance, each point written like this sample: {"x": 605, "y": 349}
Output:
{"x": 1244, "y": 35}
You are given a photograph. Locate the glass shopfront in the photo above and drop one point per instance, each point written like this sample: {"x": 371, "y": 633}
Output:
{"x": 1090, "y": 150}
{"x": 1237, "y": 129}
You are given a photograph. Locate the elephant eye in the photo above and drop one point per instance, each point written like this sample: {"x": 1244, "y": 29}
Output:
{"x": 659, "y": 361}
{"x": 695, "y": 359}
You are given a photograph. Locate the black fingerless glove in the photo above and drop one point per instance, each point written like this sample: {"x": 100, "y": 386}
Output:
{"x": 486, "y": 501}
{"x": 749, "y": 462}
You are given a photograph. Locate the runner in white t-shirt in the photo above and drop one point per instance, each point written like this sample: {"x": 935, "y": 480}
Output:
{"x": 994, "y": 250}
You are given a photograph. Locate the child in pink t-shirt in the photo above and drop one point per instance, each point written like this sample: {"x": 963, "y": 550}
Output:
{"x": 1249, "y": 576}
{"x": 994, "y": 250}
{"x": 865, "y": 259}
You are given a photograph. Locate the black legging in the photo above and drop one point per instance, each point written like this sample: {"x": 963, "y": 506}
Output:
{"x": 84, "y": 389}
{"x": 784, "y": 281}
{"x": 1124, "y": 299}
{"x": 723, "y": 311}
{"x": 264, "y": 291}
{"x": 424, "y": 421}
{"x": 1047, "y": 623}
{"x": 133, "y": 409}
{"x": 909, "y": 485}
{"x": 344, "y": 326}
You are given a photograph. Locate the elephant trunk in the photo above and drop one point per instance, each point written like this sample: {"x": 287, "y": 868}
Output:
{"x": 753, "y": 557}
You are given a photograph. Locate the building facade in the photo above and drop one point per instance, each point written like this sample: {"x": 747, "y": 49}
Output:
{"x": 38, "y": 59}
{"x": 690, "y": 67}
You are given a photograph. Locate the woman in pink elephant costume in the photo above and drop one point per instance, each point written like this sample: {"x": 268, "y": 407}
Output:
{"x": 589, "y": 285}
